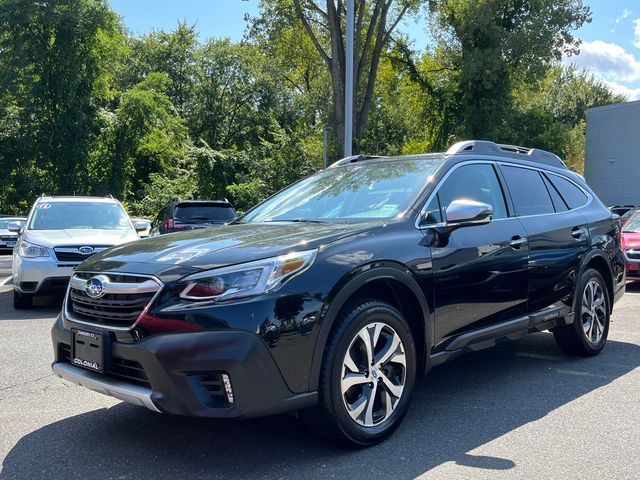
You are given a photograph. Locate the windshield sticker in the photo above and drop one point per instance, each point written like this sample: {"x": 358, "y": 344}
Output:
{"x": 43, "y": 205}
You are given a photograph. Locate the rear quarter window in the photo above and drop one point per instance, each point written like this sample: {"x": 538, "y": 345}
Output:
{"x": 573, "y": 195}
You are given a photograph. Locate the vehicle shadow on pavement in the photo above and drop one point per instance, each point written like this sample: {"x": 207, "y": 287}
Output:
{"x": 457, "y": 408}
{"x": 43, "y": 307}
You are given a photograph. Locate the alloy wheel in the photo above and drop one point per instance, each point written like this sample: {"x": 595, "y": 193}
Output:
{"x": 373, "y": 374}
{"x": 594, "y": 311}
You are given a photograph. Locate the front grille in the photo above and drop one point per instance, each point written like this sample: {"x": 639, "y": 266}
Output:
{"x": 72, "y": 254}
{"x": 633, "y": 253}
{"x": 122, "y": 369}
{"x": 8, "y": 238}
{"x": 120, "y": 306}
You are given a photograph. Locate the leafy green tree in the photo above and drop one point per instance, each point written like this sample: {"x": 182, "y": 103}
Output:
{"x": 492, "y": 45}
{"x": 56, "y": 58}
{"x": 375, "y": 22}
{"x": 144, "y": 136}
{"x": 172, "y": 53}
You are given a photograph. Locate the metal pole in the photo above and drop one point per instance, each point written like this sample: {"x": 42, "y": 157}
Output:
{"x": 348, "y": 82}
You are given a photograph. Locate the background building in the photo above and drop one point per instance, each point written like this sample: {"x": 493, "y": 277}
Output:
{"x": 612, "y": 156}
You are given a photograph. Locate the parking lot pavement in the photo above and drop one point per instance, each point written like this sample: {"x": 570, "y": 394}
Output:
{"x": 5, "y": 267}
{"x": 520, "y": 410}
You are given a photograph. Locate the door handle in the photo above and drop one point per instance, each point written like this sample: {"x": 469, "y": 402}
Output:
{"x": 577, "y": 232}
{"x": 517, "y": 242}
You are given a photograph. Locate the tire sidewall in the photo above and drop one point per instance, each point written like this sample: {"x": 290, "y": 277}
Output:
{"x": 375, "y": 312}
{"x": 586, "y": 277}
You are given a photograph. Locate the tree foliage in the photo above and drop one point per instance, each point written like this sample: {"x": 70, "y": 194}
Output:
{"x": 88, "y": 108}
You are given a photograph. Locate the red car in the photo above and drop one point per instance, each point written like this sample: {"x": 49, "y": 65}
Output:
{"x": 631, "y": 246}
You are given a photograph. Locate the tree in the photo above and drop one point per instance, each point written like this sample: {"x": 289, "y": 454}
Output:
{"x": 492, "y": 45}
{"x": 144, "y": 136}
{"x": 56, "y": 58}
{"x": 375, "y": 21}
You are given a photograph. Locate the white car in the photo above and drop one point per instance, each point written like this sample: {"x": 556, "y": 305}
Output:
{"x": 7, "y": 237}
{"x": 60, "y": 233}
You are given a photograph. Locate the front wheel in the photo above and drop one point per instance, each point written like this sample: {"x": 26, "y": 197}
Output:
{"x": 587, "y": 335}
{"x": 367, "y": 376}
{"x": 22, "y": 301}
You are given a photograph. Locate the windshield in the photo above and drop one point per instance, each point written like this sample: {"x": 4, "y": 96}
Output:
{"x": 371, "y": 190}
{"x": 199, "y": 212}
{"x": 633, "y": 225}
{"x": 79, "y": 215}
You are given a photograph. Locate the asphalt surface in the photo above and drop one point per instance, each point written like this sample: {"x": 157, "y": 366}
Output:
{"x": 520, "y": 410}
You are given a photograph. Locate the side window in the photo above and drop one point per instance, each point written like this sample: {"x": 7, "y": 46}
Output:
{"x": 475, "y": 182}
{"x": 528, "y": 192}
{"x": 574, "y": 197}
{"x": 558, "y": 203}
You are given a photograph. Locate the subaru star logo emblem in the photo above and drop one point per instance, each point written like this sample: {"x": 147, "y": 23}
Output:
{"x": 86, "y": 250}
{"x": 95, "y": 287}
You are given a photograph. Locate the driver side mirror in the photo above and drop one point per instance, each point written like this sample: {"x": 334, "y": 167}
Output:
{"x": 464, "y": 213}
{"x": 141, "y": 226}
{"x": 14, "y": 227}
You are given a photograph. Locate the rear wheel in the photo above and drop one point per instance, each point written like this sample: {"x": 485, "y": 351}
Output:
{"x": 367, "y": 376}
{"x": 22, "y": 300}
{"x": 587, "y": 335}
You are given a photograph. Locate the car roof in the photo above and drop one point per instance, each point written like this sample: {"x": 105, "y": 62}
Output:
{"x": 218, "y": 203}
{"x": 81, "y": 199}
{"x": 479, "y": 149}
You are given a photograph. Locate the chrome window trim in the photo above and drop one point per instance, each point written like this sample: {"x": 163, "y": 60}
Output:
{"x": 71, "y": 318}
{"x": 499, "y": 163}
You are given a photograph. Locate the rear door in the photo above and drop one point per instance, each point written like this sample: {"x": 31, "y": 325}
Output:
{"x": 479, "y": 272}
{"x": 558, "y": 238}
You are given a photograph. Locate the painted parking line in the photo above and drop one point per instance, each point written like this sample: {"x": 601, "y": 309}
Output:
{"x": 6, "y": 281}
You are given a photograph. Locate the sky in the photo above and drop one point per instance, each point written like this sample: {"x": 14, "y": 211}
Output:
{"x": 610, "y": 43}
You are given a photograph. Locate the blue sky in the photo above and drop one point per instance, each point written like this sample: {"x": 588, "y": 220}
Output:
{"x": 610, "y": 49}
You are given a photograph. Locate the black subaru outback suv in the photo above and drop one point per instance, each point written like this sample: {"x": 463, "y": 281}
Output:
{"x": 332, "y": 296}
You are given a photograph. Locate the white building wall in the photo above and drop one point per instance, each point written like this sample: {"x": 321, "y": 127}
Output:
{"x": 612, "y": 156}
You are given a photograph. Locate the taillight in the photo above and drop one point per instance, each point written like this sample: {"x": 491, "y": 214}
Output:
{"x": 171, "y": 224}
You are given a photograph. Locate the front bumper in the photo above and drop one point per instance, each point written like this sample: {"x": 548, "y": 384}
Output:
{"x": 174, "y": 372}
{"x": 40, "y": 275}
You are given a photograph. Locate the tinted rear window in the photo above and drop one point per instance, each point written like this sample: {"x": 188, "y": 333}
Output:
{"x": 203, "y": 212}
{"x": 528, "y": 192}
{"x": 574, "y": 197}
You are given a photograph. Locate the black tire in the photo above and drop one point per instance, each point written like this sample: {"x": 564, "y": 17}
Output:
{"x": 22, "y": 301}
{"x": 330, "y": 418}
{"x": 573, "y": 339}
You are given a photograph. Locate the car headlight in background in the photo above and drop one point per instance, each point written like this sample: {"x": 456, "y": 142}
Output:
{"x": 246, "y": 279}
{"x": 29, "y": 250}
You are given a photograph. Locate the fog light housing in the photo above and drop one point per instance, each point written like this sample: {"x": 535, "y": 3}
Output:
{"x": 227, "y": 387}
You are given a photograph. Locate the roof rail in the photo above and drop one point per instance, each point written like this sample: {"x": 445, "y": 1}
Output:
{"x": 512, "y": 151}
{"x": 353, "y": 159}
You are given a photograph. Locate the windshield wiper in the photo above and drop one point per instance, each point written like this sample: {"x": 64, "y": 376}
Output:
{"x": 295, "y": 220}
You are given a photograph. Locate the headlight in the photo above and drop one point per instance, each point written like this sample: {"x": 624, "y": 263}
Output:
{"x": 247, "y": 279}
{"x": 29, "y": 250}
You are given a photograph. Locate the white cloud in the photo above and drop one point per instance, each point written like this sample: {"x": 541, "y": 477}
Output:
{"x": 630, "y": 93}
{"x": 636, "y": 32}
{"x": 608, "y": 61}
{"x": 625, "y": 14}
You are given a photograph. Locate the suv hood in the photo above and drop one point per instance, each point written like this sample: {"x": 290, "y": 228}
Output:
{"x": 78, "y": 237}
{"x": 208, "y": 248}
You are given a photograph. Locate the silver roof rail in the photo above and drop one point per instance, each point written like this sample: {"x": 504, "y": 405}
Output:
{"x": 353, "y": 159}
{"x": 490, "y": 148}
